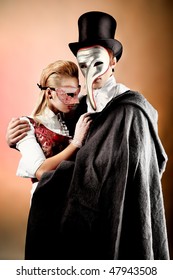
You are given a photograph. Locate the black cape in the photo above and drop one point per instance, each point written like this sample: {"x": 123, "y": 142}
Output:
{"x": 108, "y": 203}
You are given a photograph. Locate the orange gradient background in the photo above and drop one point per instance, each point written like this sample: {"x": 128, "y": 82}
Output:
{"x": 35, "y": 33}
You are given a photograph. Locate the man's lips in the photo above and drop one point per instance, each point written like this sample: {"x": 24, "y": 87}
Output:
{"x": 97, "y": 80}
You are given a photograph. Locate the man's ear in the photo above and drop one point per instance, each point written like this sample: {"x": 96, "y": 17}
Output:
{"x": 113, "y": 63}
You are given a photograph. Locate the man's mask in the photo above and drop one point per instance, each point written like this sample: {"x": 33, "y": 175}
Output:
{"x": 93, "y": 62}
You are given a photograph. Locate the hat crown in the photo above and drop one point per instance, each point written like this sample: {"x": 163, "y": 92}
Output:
{"x": 96, "y": 25}
{"x": 97, "y": 28}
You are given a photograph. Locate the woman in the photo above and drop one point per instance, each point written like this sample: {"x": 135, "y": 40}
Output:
{"x": 48, "y": 142}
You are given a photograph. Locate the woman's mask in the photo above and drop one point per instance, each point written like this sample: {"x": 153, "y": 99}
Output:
{"x": 93, "y": 62}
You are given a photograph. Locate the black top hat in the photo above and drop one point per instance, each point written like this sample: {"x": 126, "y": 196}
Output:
{"x": 97, "y": 28}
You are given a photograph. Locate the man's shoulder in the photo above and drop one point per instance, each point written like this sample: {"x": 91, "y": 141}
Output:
{"x": 130, "y": 97}
{"x": 135, "y": 99}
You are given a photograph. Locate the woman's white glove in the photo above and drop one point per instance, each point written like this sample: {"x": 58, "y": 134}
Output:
{"x": 81, "y": 130}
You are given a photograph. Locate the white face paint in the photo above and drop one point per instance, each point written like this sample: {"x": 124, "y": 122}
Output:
{"x": 93, "y": 62}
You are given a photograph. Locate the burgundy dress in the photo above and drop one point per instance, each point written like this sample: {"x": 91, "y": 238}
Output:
{"x": 51, "y": 142}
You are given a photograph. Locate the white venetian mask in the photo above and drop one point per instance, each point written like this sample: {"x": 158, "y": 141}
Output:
{"x": 93, "y": 62}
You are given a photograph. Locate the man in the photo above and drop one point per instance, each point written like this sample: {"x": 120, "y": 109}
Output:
{"x": 110, "y": 204}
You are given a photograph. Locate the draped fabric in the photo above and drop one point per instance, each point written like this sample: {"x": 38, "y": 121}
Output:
{"x": 108, "y": 204}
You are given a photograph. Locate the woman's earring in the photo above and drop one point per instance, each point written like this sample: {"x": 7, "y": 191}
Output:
{"x": 112, "y": 69}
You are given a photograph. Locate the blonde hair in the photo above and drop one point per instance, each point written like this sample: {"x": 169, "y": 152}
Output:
{"x": 49, "y": 77}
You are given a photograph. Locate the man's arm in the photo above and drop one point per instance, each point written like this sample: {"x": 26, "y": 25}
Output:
{"x": 16, "y": 130}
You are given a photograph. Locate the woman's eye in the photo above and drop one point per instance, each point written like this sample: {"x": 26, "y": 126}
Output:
{"x": 98, "y": 63}
{"x": 70, "y": 94}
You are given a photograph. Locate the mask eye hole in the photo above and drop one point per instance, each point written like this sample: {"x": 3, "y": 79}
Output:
{"x": 71, "y": 94}
{"x": 98, "y": 63}
{"x": 83, "y": 66}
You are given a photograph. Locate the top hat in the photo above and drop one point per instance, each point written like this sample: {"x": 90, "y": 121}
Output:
{"x": 97, "y": 28}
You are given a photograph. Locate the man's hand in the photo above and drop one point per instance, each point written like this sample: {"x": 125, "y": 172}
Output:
{"x": 16, "y": 130}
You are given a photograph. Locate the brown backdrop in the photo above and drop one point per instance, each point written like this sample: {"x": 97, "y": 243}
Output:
{"x": 35, "y": 33}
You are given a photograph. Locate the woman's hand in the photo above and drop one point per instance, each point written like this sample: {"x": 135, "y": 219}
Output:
{"x": 16, "y": 130}
{"x": 81, "y": 129}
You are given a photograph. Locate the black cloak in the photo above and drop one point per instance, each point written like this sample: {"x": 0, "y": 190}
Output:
{"x": 108, "y": 203}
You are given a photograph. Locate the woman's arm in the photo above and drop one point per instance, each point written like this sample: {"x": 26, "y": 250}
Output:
{"x": 81, "y": 130}
{"x": 33, "y": 162}
{"x": 52, "y": 162}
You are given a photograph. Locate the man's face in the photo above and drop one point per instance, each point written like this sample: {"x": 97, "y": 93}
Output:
{"x": 94, "y": 63}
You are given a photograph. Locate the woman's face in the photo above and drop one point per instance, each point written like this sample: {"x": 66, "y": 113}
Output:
{"x": 65, "y": 96}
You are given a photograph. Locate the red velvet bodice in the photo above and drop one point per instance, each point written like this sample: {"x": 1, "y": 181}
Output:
{"x": 51, "y": 143}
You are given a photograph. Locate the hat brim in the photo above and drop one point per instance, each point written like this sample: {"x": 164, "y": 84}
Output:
{"x": 112, "y": 44}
